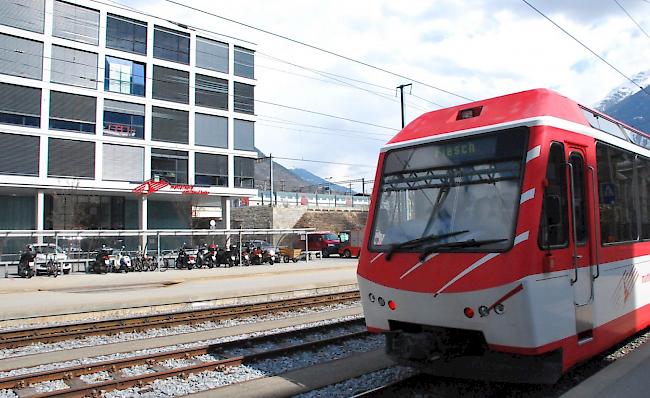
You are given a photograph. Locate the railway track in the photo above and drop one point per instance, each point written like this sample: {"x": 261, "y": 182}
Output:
{"x": 51, "y": 334}
{"x": 278, "y": 345}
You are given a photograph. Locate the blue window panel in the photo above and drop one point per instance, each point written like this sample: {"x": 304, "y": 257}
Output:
{"x": 124, "y": 76}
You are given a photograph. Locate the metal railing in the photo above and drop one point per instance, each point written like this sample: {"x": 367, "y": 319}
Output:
{"x": 160, "y": 241}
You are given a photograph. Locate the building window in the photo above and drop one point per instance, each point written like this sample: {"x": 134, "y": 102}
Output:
{"x": 244, "y": 172}
{"x": 171, "y": 84}
{"x": 24, "y": 14}
{"x": 244, "y": 98}
{"x": 126, "y": 34}
{"x": 21, "y": 57}
{"x": 211, "y": 130}
{"x": 212, "y": 55}
{"x": 211, "y": 170}
{"x": 618, "y": 216}
{"x": 91, "y": 212}
{"x": 244, "y": 62}
{"x": 244, "y": 132}
{"x": 123, "y": 119}
{"x": 171, "y": 45}
{"x": 74, "y": 67}
{"x": 124, "y": 76}
{"x": 20, "y": 105}
{"x": 169, "y": 125}
{"x": 123, "y": 163}
{"x": 211, "y": 92}
{"x": 72, "y": 112}
{"x": 19, "y": 154}
{"x": 71, "y": 159}
{"x": 169, "y": 165}
{"x": 76, "y": 23}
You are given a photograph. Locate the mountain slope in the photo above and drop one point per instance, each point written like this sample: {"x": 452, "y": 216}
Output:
{"x": 283, "y": 178}
{"x": 316, "y": 181}
{"x": 624, "y": 91}
{"x": 633, "y": 110}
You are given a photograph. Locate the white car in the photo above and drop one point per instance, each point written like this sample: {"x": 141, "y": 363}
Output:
{"x": 46, "y": 252}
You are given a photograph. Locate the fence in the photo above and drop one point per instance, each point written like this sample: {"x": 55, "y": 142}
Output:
{"x": 294, "y": 199}
{"x": 81, "y": 246}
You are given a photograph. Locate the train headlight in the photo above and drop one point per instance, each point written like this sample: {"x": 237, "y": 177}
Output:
{"x": 371, "y": 297}
{"x": 381, "y": 301}
{"x": 483, "y": 311}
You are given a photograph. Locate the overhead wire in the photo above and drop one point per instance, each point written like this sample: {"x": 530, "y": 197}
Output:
{"x": 100, "y": 68}
{"x": 314, "y": 47}
{"x": 632, "y": 19}
{"x": 584, "y": 46}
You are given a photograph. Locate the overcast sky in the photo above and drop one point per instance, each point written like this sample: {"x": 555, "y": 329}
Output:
{"x": 475, "y": 48}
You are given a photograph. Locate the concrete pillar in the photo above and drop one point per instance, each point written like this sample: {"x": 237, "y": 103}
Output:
{"x": 40, "y": 213}
{"x": 225, "y": 216}
{"x": 143, "y": 222}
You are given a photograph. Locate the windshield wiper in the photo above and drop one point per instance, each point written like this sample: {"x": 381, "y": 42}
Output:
{"x": 421, "y": 240}
{"x": 460, "y": 244}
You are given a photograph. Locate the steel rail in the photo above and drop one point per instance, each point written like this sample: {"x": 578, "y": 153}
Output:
{"x": 78, "y": 388}
{"x": 49, "y": 334}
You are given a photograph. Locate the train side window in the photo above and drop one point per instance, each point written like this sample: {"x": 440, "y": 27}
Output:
{"x": 554, "y": 225}
{"x": 579, "y": 205}
{"x": 616, "y": 192}
{"x": 643, "y": 176}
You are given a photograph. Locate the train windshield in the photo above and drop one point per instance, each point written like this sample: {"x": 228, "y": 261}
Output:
{"x": 456, "y": 195}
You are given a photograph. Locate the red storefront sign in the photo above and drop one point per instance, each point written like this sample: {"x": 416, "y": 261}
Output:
{"x": 151, "y": 186}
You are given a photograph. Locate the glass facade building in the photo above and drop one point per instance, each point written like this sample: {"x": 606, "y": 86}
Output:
{"x": 98, "y": 100}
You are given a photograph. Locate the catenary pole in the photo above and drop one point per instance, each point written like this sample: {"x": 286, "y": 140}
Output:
{"x": 401, "y": 96}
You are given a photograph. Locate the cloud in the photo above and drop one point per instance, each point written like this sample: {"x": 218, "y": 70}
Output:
{"x": 476, "y": 48}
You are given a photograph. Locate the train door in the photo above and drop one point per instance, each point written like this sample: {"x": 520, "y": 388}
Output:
{"x": 582, "y": 280}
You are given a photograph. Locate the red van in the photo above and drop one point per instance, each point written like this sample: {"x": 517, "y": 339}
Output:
{"x": 324, "y": 241}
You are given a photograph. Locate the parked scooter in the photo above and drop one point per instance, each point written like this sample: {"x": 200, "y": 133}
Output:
{"x": 256, "y": 255}
{"x": 213, "y": 255}
{"x": 203, "y": 257}
{"x": 27, "y": 263}
{"x": 245, "y": 257}
{"x": 122, "y": 262}
{"x": 228, "y": 257}
{"x": 184, "y": 259}
{"x": 102, "y": 261}
{"x": 269, "y": 256}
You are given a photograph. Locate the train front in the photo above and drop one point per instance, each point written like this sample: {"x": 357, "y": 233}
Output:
{"x": 445, "y": 261}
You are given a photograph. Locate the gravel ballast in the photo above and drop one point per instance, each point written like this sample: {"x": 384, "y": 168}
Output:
{"x": 93, "y": 341}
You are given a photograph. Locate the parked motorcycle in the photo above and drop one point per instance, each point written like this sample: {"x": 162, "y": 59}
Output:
{"x": 245, "y": 257}
{"x": 27, "y": 263}
{"x": 102, "y": 262}
{"x": 213, "y": 255}
{"x": 203, "y": 257}
{"x": 268, "y": 256}
{"x": 228, "y": 257}
{"x": 256, "y": 255}
{"x": 184, "y": 259}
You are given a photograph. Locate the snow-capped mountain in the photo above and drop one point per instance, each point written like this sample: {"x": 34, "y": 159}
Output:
{"x": 629, "y": 104}
{"x": 624, "y": 90}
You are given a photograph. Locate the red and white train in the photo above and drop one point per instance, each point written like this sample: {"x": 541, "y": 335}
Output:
{"x": 509, "y": 239}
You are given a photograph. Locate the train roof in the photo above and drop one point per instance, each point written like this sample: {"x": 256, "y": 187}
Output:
{"x": 499, "y": 110}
